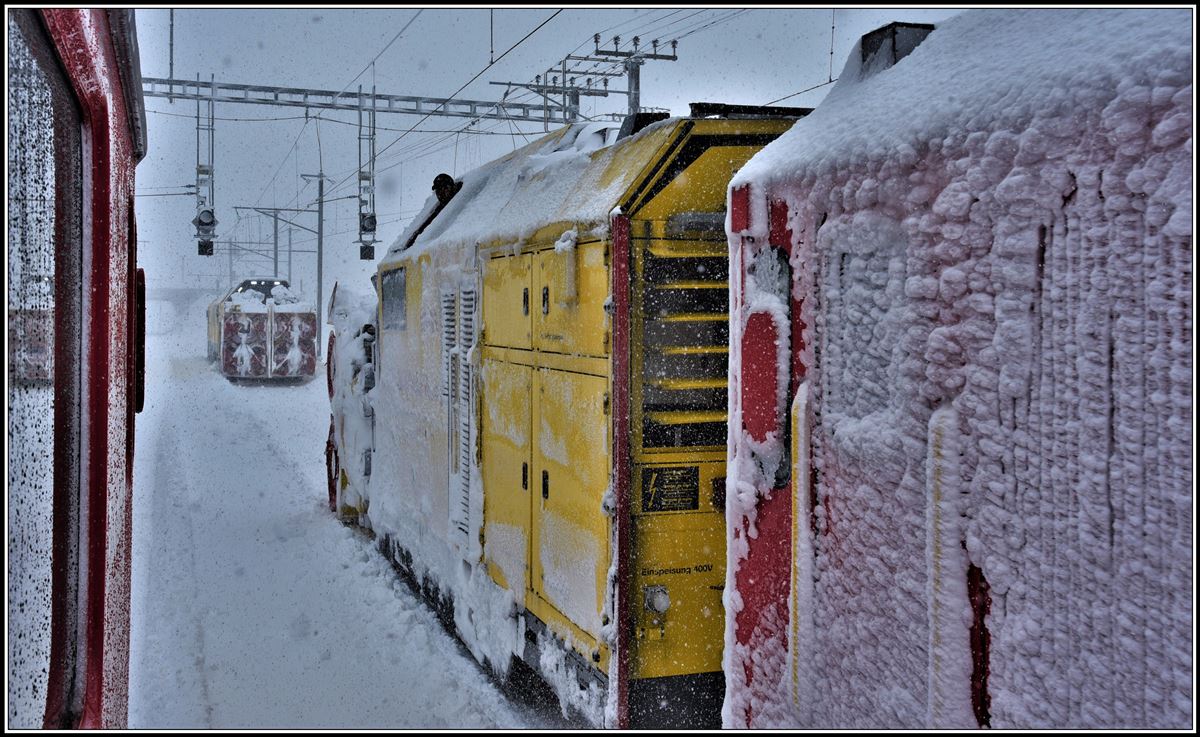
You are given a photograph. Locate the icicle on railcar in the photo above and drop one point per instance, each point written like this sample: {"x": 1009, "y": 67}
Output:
{"x": 76, "y": 328}
{"x": 547, "y": 430}
{"x": 960, "y": 487}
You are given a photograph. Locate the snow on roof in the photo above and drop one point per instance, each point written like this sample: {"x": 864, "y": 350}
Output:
{"x": 982, "y": 69}
{"x": 562, "y": 177}
{"x": 252, "y": 299}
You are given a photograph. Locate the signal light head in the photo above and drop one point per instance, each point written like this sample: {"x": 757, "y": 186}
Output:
{"x": 205, "y": 248}
{"x": 205, "y": 222}
{"x": 366, "y": 222}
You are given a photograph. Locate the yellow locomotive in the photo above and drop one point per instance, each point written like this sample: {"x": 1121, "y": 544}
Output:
{"x": 549, "y": 410}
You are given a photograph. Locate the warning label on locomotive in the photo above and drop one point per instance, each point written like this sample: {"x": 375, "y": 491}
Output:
{"x": 670, "y": 489}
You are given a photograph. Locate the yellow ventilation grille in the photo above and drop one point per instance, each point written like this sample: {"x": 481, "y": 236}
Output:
{"x": 685, "y": 308}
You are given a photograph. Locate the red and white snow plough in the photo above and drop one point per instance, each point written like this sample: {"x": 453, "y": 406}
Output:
{"x": 260, "y": 330}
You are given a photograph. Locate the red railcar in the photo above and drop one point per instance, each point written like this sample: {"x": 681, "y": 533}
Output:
{"x": 76, "y": 317}
{"x": 960, "y": 385}
{"x": 259, "y": 330}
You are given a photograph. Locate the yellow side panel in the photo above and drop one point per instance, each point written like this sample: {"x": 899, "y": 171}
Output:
{"x": 572, "y": 287}
{"x": 414, "y": 298}
{"x": 570, "y": 530}
{"x": 681, "y": 553}
{"x": 508, "y": 301}
{"x": 507, "y": 452}
{"x": 701, "y": 188}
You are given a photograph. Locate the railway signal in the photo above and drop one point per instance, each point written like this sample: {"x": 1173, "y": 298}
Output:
{"x": 366, "y": 177}
{"x": 206, "y": 227}
{"x": 366, "y": 229}
{"x": 205, "y": 222}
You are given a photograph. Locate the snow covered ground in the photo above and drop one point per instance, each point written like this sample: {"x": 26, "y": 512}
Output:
{"x": 250, "y": 601}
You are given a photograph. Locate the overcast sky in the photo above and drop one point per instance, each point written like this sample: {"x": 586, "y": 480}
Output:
{"x": 743, "y": 56}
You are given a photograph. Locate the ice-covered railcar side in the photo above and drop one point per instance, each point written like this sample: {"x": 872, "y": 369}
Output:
{"x": 960, "y": 379}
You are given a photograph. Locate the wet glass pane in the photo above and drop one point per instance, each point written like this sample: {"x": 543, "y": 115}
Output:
{"x": 31, "y": 227}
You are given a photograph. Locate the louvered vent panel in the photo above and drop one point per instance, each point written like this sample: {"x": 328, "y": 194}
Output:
{"x": 466, "y": 337}
{"x": 685, "y": 305}
{"x": 449, "y": 342}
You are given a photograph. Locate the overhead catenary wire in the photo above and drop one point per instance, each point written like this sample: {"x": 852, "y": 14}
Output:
{"x": 423, "y": 149}
{"x": 801, "y": 92}
{"x": 172, "y": 186}
{"x": 599, "y": 66}
{"x": 660, "y": 28}
{"x": 718, "y": 21}
{"x": 654, "y": 28}
{"x": 307, "y": 117}
{"x": 429, "y": 150}
{"x": 832, "y": 18}
{"x": 466, "y": 128}
{"x": 230, "y": 120}
{"x": 424, "y": 130}
{"x": 323, "y": 118}
{"x": 471, "y": 127}
{"x": 387, "y": 221}
{"x": 449, "y": 134}
{"x": 419, "y": 150}
{"x": 664, "y": 21}
{"x": 416, "y": 149}
{"x": 281, "y": 163}
{"x": 376, "y": 57}
{"x": 831, "y": 80}
{"x": 460, "y": 89}
{"x": 369, "y": 65}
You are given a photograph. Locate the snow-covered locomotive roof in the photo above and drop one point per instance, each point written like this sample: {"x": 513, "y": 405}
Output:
{"x": 985, "y": 70}
{"x": 567, "y": 176}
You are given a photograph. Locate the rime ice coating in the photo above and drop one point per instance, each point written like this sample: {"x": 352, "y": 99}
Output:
{"x": 994, "y": 240}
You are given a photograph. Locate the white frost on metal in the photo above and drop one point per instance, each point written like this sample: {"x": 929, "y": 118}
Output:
{"x": 1000, "y": 226}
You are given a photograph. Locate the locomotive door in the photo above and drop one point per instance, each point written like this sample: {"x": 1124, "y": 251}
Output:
{"x": 507, "y": 301}
{"x": 572, "y": 286}
{"x": 506, "y": 420}
{"x": 570, "y": 556}
{"x": 505, "y": 426}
